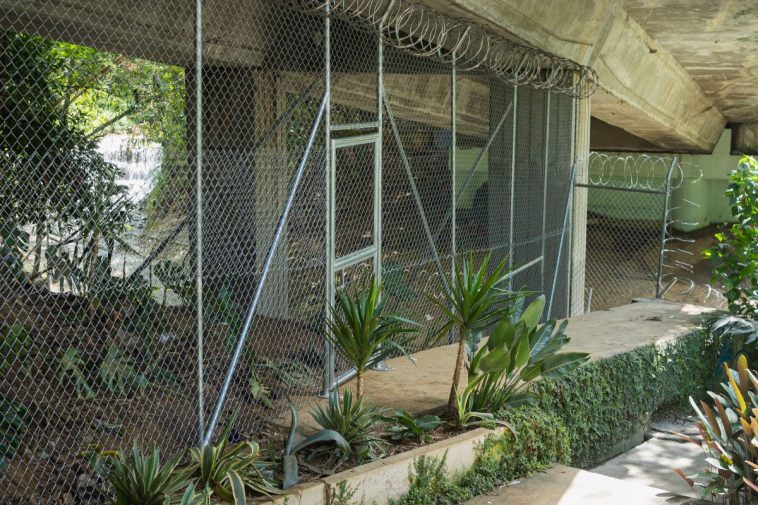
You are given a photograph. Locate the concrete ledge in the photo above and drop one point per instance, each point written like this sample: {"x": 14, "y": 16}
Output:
{"x": 387, "y": 479}
{"x": 424, "y": 386}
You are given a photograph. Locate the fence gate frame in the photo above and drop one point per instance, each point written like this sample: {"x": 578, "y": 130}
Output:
{"x": 335, "y": 264}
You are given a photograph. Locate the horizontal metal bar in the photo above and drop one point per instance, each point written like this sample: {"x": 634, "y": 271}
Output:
{"x": 357, "y": 140}
{"x": 619, "y": 188}
{"x": 355, "y": 126}
{"x": 354, "y": 257}
{"x": 526, "y": 266}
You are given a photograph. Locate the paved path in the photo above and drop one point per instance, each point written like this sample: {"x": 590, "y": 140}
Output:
{"x": 651, "y": 463}
{"x": 641, "y": 476}
{"x": 563, "y": 485}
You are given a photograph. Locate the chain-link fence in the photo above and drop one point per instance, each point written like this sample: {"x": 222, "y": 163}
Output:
{"x": 284, "y": 152}
{"x": 634, "y": 245}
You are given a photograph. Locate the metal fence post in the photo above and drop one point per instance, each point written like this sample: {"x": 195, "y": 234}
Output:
{"x": 453, "y": 158}
{"x": 512, "y": 209}
{"x": 664, "y": 228}
{"x": 329, "y": 238}
{"x": 378, "y": 166}
{"x": 544, "y": 188}
{"x": 199, "y": 211}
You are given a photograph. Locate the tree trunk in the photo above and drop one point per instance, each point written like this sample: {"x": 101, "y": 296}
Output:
{"x": 359, "y": 385}
{"x": 451, "y": 408}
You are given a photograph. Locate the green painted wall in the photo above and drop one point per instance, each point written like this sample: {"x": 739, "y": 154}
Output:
{"x": 706, "y": 192}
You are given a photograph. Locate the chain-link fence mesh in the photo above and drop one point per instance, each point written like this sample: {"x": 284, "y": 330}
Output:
{"x": 636, "y": 245}
{"x": 280, "y": 154}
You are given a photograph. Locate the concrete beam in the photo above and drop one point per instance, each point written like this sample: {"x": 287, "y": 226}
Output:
{"x": 236, "y": 32}
{"x": 606, "y": 137}
{"x": 643, "y": 89}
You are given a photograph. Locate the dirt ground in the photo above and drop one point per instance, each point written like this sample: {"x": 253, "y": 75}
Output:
{"x": 622, "y": 261}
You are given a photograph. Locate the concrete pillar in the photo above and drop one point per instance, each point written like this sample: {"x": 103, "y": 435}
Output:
{"x": 271, "y": 184}
{"x": 579, "y": 216}
{"x": 241, "y": 188}
{"x": 745, "y": 138}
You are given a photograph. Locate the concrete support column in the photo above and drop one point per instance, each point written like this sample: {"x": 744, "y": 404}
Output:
{"x": 271, "y": 175}
{"x": 579, "y": 217}
{"x": 242, "y": 188}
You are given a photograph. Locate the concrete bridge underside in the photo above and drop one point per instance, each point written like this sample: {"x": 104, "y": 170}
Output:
{"x": 671, "y": 76}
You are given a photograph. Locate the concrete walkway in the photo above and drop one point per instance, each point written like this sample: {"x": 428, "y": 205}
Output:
{"x": 641, "y": 476}
{"x": 563, "y": 485}
{"x": 652, "y": 462}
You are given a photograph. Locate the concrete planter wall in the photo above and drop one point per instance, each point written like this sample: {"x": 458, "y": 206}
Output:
{"x": 381, "y": 481}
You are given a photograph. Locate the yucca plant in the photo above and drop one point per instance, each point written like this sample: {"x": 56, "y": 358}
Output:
{"x": 292, "y": 447}
{"x": 356, "y": 421}
{"x": 473, "y": 299}
{"x": 230, "y": 474}
{"x": 140, "y": 479}
{"x": 363, "y": 333}
{"x": 466, "y": 415}
{"x": 517, "y": 353}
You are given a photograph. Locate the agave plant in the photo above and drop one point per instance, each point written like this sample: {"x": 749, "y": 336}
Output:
{"x": 139, "y": 479}
{"x": 363, "y": 333}
{"x": 473, "y": 299}
{"x": 729, "y": 438}
{"x": 515, "y": 354}
{"x": 292, "y": 447}
{"x": 356, "y": 421}
{"x": 406, "y": 426}
{"x": 230, "y": 474}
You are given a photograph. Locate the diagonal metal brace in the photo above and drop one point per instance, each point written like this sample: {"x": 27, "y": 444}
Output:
{"x": 280, "y": 227}
{"x": 414, "y": 189}
{"x": 472, "y": 171}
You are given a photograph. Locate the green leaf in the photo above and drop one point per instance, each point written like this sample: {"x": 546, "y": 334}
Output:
{"x": 533, "y": 313}
{"x": 522, "y": 352}
{"x": 497, "y": 359}
{"x": 561, "y": 364}
{"x": 238, "y": 487}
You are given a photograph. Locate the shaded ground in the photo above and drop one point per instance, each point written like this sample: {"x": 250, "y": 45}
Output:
{"x": 622, "y": 263}
{"x": 652, "y": 462}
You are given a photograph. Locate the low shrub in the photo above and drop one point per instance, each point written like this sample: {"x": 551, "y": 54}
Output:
{"x": 538, "y": 441}
{"x": 735, "y": 254}
{"x": 729, "y": 438}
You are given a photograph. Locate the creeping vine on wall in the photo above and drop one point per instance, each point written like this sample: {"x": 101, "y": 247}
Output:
{"x": 609, "y": 401}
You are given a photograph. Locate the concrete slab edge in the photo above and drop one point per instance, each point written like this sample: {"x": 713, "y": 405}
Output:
{"x": 387, "y": 479}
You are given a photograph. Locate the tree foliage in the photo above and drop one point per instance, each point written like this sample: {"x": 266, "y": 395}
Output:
{"x": 56, "y": 101}
{"x": 735, "y": 255}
